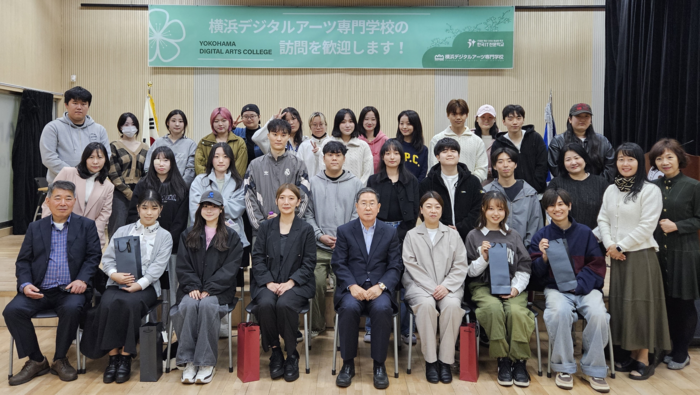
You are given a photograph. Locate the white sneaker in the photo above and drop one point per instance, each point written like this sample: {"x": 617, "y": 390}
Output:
{"x": 189, "y": 374}
{"x": 205, "y": 374}
{"x": 368, "y": 337}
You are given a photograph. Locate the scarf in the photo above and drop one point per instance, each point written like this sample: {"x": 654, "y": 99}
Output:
{"x": 624, "y": 184}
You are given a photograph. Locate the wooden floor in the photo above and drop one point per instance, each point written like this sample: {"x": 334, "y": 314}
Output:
{"x": 320, "y": 380}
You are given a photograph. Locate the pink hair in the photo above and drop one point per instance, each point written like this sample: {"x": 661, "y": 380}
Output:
{"x": 224, "y": 112}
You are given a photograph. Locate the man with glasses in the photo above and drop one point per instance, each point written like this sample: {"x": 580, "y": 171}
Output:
{"x": 367, "y": 263}
{"x": 250, "y": 115}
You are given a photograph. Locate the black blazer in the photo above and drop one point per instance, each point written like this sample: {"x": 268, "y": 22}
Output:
{"x": 299, "y": 257}
{"x": 408, "y": 194}
{"x": 208, "y": 269}
{"x": 352, "y": 265}
{"x": 84, "y": 252}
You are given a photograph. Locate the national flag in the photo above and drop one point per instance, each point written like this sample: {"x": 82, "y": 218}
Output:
{"x": 550, "y": 129}
{"x": 150, "y": 132}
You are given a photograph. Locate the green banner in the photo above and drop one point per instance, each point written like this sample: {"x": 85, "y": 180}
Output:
{"x": 367, "y": 37}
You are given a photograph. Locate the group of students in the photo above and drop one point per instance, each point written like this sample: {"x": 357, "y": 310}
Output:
{"x": 345, "y": 207}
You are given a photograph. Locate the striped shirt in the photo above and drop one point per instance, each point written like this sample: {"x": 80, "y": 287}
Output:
{"x": 57, "y": 272}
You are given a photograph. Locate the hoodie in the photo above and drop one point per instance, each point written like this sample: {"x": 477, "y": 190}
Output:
{"x": 375, "y": 146}
{"x": 525, "y": 212}
{"x": 532, "y": 162}
{"x": 62, "y": 143}
{"x": 586, "y": 258}
{"x": 332, "y": 204}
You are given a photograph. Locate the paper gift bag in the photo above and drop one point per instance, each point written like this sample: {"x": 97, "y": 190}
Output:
{"x": 248, "y": 352}
{"x": 468, "y": 359}
{"x": 499, "y": 269}
{"x": 561, "y": 265}
{"x": 151, "y": 351}
{"x": 127, "y": 254}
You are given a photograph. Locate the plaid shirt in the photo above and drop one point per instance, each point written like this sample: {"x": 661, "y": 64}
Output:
{"x": 57, "y": 272}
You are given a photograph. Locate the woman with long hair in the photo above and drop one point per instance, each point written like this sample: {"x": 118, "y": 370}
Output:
{"x": 410, "y": 135}
{"x": 358, "y": 159}
{"x": 629, "y": 214}
{"x": 93, "y": 189}
{"x": 222, "y": 124}
{"x": 370, "y": 129}
{"x": 182, "y": 146}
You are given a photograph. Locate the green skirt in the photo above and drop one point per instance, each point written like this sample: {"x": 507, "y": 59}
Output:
{"x": 637, "y": 303}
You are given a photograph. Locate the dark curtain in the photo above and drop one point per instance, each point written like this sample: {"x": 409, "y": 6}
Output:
{"x": 35, "y": 111}
{"x": 652, "y": 69}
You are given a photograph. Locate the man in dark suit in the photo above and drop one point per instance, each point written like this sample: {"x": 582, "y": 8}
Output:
{"x": 58, "y": 258}
{"x": 367, "y": 264}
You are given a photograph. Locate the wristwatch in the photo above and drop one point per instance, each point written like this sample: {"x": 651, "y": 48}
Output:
{"x": 618, "y": 248}
{"x": 382, "y": 286}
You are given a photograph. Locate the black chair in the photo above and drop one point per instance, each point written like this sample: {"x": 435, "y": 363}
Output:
{"x": 307, "y": 334}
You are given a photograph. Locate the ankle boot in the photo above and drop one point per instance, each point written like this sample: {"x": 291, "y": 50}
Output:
{"x": 111, "y": 371}
{"x": 124, "y": 369}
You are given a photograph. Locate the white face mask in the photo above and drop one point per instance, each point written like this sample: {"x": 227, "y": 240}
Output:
{"x": 129, "y": 131}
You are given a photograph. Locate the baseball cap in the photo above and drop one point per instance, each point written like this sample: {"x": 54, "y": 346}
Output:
{"x": 250, "y": 107}
{"x": 213, "y": 197}
{"x": 486, "y": 109}
{"x": 580, "y": 108}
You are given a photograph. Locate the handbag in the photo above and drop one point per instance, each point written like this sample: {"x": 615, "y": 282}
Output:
{"x": 127, "y": 254}
{"x": 468, "y": 358}
{"x": 562, "y": 267}
{"x": 499, "y": 269}
{"x": 248, "y": 352}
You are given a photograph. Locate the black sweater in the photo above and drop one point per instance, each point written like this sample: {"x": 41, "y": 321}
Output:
{"x": 408, "y": 202}
{"x": 586, "y": 197}
{"x": 174, "y": 215}
{"x": 532, "y": 162}
{"x": 468, "y": 195}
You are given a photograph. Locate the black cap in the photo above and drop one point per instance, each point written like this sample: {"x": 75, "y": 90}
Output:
{"x": 213, "y": 197}
{"x": 580, "y": 108}
{"x": 250, "y": 107}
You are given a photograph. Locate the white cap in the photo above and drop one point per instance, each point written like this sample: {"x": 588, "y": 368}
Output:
{"x": 486, "y": 109}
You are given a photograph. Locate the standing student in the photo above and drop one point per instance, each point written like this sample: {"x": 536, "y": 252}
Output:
{"x": 563, "y": 305}
{"x": 282, "y": 281}
{"x": 207, "y": 264}
{"x": 332, "y": 204}
{"x": 485, "y": 127}
{"x": 310, "y": 150}
{"x": 296, "y": 134}
{"x": 63, "y": 139}
{"x": 165, "y": 179}
{"x": 460, "y": 190}
{"x": 93, "y": 190}
{"x": 126, "y": 165}
{"x": 525, "y": 212}
{"x": 435, "y": 261}
{"x": 586, "y": 189}
{"x": 371, "y": 133}
{"x": 221, "y": 123}
{"x": 629, "y": 214}
{"x": 679, "y": 249}
{"x": 267, "y": 173}
{"x": 55, "y": 265}
{"x": 410, "y": 135}
{"x": 510, "y": 343}
{"x": 527, "y": 143}
{"x": 579, "y": 130}
{"x": 250, "y": 116}
{"x": 113, "y": 327}
{"x": 183, "y": 148}
{"x": 358, "y": 159}
{"x": 472, "y": 152}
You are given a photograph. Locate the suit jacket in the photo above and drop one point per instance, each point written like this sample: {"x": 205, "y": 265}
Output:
{"x": 99, "y": 205}
{"x": 352, "y": 265}
{"x": 208, "y": 269}
{"x": 84, "y": 252}
{"x": 427, "y": 265}
{"x": 299, "y": 255}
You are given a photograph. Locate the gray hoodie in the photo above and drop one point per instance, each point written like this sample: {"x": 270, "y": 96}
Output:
{"x": 525, "y": 210}
{"x": 332, "y": 204}
{"x": 62, "y": 143}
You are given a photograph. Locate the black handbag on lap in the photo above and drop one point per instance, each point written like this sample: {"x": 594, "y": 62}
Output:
{"x": 127, "y": 252}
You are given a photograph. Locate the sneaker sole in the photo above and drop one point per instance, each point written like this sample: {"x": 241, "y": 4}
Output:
{"x": 205, "y": 380}
{"x": 505, "y": 383}
{"x": 519, "y": 384}
{"x": 565, "y": 386}
{"x": 291, "y": 378}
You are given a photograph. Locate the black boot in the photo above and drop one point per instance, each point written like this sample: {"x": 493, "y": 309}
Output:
{"x": 276, "y": 363}
{"x": 291, "y": 367}
{"x": 124, "y": 369}
{"x": 111, "y": 371}
{"x": 431, "y": 372}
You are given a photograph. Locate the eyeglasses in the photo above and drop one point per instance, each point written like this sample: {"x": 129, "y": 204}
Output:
{"x": 249, "y": 117}
{"x": 371, "y": 204}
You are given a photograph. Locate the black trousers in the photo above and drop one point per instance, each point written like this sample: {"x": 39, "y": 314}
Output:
{"x": 18, "y": 318}
{"x": 380, "y": 313}
{"x": 278, "y": 316}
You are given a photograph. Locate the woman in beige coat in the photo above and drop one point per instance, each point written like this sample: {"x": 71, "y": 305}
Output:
{"x": 93, "y": 189}
{"x": 436, "y": 266}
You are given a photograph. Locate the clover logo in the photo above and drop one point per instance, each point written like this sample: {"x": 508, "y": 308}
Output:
{"x": 163, "y": 36}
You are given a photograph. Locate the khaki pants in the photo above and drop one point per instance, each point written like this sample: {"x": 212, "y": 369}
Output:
{"x": 508, "y": 322}
{"x": 450, "y": 318}
{"x": 323, "y": 269}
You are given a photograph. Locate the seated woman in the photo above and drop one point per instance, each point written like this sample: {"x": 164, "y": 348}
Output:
{"x": 505, "y": 318}
{"x": 113, "y": 326}
{"x": 436, "y": 266}
{"x": 282, "y": 281}
{"x": 207, "y": 265}
{"x": 93, "y": 190}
